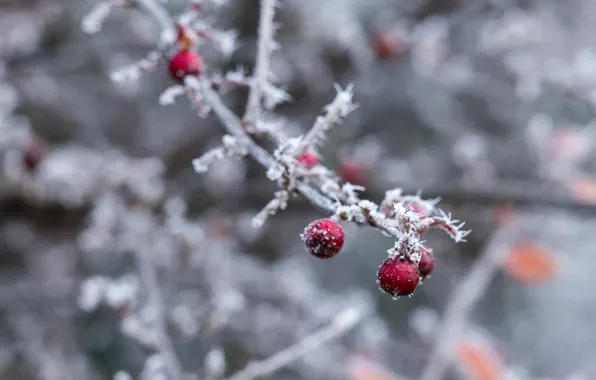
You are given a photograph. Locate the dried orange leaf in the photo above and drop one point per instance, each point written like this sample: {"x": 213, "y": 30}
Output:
{"x": 529, "y": 263}
{"x": 479, "y": 362}
{"x": 584, "y": 189}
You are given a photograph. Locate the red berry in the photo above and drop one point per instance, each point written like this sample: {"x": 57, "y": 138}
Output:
{"x": 398, "y": 276}
{"x": 386, "y": 46}
{"x": 308, "y": 160}
{"x": 352, "y": 171}
{"x": 427, "y": 262}
{"x": 185, "y": 63}
{"x": 323, "y": 238}
{"x": 34, "y": 152}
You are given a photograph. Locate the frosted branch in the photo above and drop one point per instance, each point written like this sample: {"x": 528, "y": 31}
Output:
{"x": 133, "y": 71}
{"x": 279, "y": 202}
{"x": 468, "y": 292}
{"x": 443, "y": 221}
{"x": 93, "y": 20}
{"x": 168, "y": 29}
{"x": 148, "y": 275}
{"x": 230, "y": 147}
{"x": 265, "y": 47}
{"x": 334, "y": 112}
{"x": 342, "y": 323}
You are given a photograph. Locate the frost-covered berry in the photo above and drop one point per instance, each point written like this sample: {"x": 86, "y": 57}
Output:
{"x": 398, "y": 276}
{"x": 185, "y": 63}
{"x": 34, "y": 152}
{"x": 308, "y": 160}
{"x": 427, "y": 262}
{"x": 323, "y": 238}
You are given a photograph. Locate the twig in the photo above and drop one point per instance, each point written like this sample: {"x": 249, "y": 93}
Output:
{"x": 264, "y": 48}
{"x": 234, "y": 128}
{"x": 464, "y": 298}
{"x": 344, "y": 322}
{"x": 505, "y": 191}
{"x": 148, "y": 275}
{"x": 168, "y": 29}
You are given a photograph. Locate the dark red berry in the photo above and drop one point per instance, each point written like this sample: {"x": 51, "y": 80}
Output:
{"x": 427, "y": 262}
{"x": 398, "y": 276}
{"x": 323, "y": 238}
{"x": 308, "y": 160}
{"x": 34, "y": 152}
{"x": 185, "y": 63}
{"x": 386, "y": 46}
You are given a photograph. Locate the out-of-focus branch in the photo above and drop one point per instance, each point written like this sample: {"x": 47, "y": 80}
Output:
{"x": 516, "y": 193}
{"x": 148, "y": 275}
{"x": 168, "y": 29}
{"x": 265, "y": 46}
{"x": 465, "y": 296}
{"x": 342, "y": 323}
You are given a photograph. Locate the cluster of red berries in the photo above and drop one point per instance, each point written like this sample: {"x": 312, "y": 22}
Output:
{"x": 398, "y": 275}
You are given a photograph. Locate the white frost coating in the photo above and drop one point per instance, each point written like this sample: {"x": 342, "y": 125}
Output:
{"x": 230, "y": 147}
{"x": 226, "y": 42}
{"x": 272, "y": 95}
{"x": 93, "y": 21}
{"x": 340, "y": 107}
{"x": 122, "y": 292}
{"x": 169, "y": 95}
{"x": 201, "y": 164}
{"x": 92, "y": 292}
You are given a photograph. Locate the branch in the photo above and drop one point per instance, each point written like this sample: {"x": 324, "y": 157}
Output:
{"x": 148, "y": 275}
{"x": 168, "y": 29}
{"x": 464, "y": 298}
{"x": 265, "y": 46}
{"x": 505, "y": 191}
{"x": 343, "y": 322}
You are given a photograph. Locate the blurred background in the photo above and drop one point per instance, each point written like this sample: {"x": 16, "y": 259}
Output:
{"x": 488, "y": 104}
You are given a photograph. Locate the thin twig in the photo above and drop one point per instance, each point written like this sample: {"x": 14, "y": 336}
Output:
{"x": 344, "y": 322}
{"x": 516, "y": 193}
{"x": 264, "y": 49}
{"x": 161, "y": 15}
{"x": 465, "y": 296}
{"x": 148, "y": 275}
